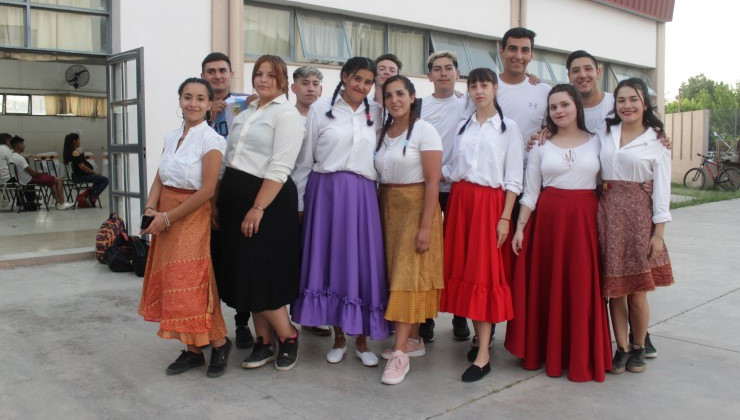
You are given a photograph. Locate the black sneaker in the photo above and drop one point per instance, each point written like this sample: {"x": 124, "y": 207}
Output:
{"x": 619, "y": 362}
{"x": 261, "y": 355}
{"x": 460, "y": 330}
{"x": 287, "y": 353}
{"x": 185, "y": 361}
{"x": 244, "y": 339}
{"x": 650, "y": 351}
{"x": 320, "y": 330}
{"x": 475, "y": 373}
{"x": 636, "y": 362}
{"x": 426, "y": 331}
{"x": 473, "y": 352}
{"x": 219, "y": 357}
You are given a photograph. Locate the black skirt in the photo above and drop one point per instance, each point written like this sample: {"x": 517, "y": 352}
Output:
{"x": 262, "y": 272}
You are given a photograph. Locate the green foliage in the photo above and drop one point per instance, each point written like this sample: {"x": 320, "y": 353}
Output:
{"x": 700, "y": 196}
{"x": 719, "y": 97}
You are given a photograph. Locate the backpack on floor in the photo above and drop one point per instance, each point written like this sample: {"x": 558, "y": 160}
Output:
{"x": 138, "y": 257}
{"x": 83, "y": 201}
{"x": 120, "y": 253}
{"x": 107, "y": 233}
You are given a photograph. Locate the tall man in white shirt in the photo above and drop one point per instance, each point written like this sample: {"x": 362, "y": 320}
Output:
{"x": 216, "y": 70}
{"x": 584, "y": 74}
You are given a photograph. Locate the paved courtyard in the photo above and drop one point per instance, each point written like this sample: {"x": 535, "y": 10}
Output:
{"x": 74, "y": 348}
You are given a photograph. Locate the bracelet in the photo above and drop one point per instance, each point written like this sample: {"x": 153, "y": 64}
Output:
{"x": 150, "y": 208}
{"x": 503, "y": 218}
{"x": 258, "y": 207}
{"x": 166, "y": 220}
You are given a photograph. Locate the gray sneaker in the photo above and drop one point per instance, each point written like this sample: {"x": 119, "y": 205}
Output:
{"x": 619, "y": 362}
{"x": 650, "y": 351}
{"x": 636, "y": 362}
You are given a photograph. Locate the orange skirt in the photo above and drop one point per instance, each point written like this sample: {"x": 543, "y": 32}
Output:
{"x": 179, "y": 286}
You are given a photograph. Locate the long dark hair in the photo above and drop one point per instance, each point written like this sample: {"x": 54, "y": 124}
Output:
{"x": 571, "y": 91}
{"x": 649, "y": 119}
{"x": 483, "y": 74}
{"x": 350, "y": 68}
{"x": 69, "y": 146}
{"x": 412, "y": 115}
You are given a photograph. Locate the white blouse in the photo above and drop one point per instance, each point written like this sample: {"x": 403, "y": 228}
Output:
{"x": 643, "y": 159}
{"x": 342, "y": 143}
{"x": 265, "y": 141}
{"x": 181, "y": 168}
{"x": 396, "y": 168}
{"x": 485, "y": 155}
{"x": 575, "y": 168}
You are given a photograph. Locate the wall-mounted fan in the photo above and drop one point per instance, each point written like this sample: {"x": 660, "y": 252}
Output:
{"x": 77, "y": 75}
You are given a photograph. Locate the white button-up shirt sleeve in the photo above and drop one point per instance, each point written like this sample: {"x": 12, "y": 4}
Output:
{"x": 514, "y": 163}
{"x": 305, "y": 160}
{"x": 662, "y": 186}
{"x": 533, "y": 178}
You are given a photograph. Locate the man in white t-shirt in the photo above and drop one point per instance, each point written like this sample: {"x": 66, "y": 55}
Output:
{"x": 584, "y": 74}
{"x": 5, "y": 153}
{"x": 307, "y": 88}
{"x": 444, "y": 109}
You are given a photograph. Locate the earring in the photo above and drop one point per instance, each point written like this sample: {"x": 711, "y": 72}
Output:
{"x": 208, "y": 115}
{"x": 179, "y": 114}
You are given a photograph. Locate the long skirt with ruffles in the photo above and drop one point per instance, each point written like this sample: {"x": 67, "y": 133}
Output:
{"x": 343, "y": 277}
{"x": 560, "y": 318}
{"x": 179, "y": 286}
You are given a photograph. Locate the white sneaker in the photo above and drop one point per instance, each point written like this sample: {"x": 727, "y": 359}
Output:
{"x": 67, "y": 205}
{"x": 336, "y": 355}
{"x": 415, "y": 348}
{"x": 368, "y": 358}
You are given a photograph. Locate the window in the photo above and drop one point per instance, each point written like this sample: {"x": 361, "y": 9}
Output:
{"x": 409, "y": 47}
{"x": 557, "y": 67}
{"x": 538, "y": 67}
{"x": 456, "y": 44}
{"x": 38, "y": 105}
{"x": 323, "y": 37}
{"x": 617, "y": 73}
{"x": 2, "y": 103}
{"x": 268, "y": 31}
{"x": 17, "y": 104}
{"x": 56, "y": 25}
{"x": 365, "y": 39}
{"x": 483, "y": 54}
{"x": 471, "y": 52}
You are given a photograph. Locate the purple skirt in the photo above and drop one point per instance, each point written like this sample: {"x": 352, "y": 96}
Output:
{"x": 343, "y": 277}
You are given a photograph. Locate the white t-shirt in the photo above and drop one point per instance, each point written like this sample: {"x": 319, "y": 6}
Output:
{"x": 182, "y": 168}
{"x": 20, "y": 166}
{"x": 396, "y": 168}
{"x": 568, "y": 169}
{"x": 5, "y": 155}
{"x": 445, "y": 115}
{"x": 524, "y": 103}
{"x": 595, "y": 117}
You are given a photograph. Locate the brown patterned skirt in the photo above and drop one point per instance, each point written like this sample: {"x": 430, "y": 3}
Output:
{"x": 625, "y": 227}
{"x": 179, "y": 287}
{"x": 416, "y": 280}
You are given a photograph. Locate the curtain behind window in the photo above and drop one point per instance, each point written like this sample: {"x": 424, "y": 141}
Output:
{"x": 11, "y": 26}
{"x": 267, "y": 31}
{"x": 366, "y": 39}
{"x": 408, "y": 45}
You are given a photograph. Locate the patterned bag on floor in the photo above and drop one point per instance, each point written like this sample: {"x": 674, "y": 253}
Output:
{"x": 107, "y": 233}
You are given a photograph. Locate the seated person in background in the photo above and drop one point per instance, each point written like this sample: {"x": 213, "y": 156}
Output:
{"x": 26, "y": 174}
{"x": 5, "y": 153}
{"x": 82, "y": 170}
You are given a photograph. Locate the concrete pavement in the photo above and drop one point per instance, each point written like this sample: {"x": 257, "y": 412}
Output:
{"x": 74, "y": 347}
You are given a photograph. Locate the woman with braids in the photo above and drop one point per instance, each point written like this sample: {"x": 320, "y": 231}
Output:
{"x": 179, "y": 289}
{"x": 485, "y": 169}
{"x": 343, "y": 277}
{"x": 559, "y": 315}
{"x": 409, "y": 161}
{"x": 631, "y": 222}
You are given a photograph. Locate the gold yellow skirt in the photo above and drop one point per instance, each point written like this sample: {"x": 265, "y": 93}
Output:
{"x": 416, "y": 280}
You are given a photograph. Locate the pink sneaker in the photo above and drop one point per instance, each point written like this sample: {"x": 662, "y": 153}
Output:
{"x": 415, "y": 348}
{"x": 396, "y": 368}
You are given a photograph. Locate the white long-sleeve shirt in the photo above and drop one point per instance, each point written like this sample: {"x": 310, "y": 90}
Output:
{"x": 265, "y": 141}
{"x": 569, "y": 169}
{"x": 342, "y": 143}
{"x": 182, "y": 167}
{"x": 485, "y": 155}
{"x": 643, "y": 159}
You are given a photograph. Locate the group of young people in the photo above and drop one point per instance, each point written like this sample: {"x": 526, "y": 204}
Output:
{"x": 12, "y": 149}
{"x": 334, "y": 207}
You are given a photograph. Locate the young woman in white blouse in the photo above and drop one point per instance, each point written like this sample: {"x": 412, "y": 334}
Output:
{"x": 258, "y": 216}
{"x": 631, "y": 222}
{"x": 179, "y": 287}
{"x": 343, "y": 279}
{"x": 409, "y": 162}
{"x": 560, "y": 317}
{"x": 485, "y": 169}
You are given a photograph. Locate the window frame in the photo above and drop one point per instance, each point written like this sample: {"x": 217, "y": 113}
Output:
{"x": 292, "y": 29}
{"x": 328, "y": 16}
{"x": 5, "y": 104}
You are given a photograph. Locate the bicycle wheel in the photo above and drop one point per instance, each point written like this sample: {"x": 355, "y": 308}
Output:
{"x": 694, "y": 179}
{"x": 729, "y": 179}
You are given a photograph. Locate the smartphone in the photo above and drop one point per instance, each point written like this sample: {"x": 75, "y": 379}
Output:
{"x": 146, "y": 221}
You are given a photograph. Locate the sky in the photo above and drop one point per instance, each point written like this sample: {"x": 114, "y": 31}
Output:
{"x": 702, "y": 38}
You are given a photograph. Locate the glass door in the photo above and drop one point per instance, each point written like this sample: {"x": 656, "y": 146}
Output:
{"x": 126, "y": 139}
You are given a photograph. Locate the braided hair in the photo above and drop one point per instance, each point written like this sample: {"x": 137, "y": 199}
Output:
{"x": 649, "y": 119}
{"x": 483, "y": 74}
{"x": 350, "y": 68}
{"x": 412, "y": 115}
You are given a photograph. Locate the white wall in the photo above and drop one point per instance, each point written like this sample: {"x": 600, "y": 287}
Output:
{"x": 176, "y": 36}
{"x": 486, "y": 18}
{"x": 605, "y": 32}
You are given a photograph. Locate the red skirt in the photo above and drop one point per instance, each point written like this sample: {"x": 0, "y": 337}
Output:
{"x": 560, "y": 317}
{"x": 475, "y": 269}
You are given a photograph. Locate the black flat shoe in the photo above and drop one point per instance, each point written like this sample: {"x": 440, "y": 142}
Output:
{"x": 185, "y": 361}
{"x": 473, "y": 352}
{"x": 476, "y": 373}
{"x": 219, "y": 357}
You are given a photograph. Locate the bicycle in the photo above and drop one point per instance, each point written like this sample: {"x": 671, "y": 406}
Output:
{"x": 727, "y": 178}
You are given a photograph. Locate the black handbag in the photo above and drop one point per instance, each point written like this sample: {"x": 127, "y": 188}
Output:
{"x": 119, "y": 255}
{"x": 138, "y": 257}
